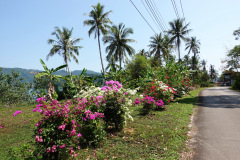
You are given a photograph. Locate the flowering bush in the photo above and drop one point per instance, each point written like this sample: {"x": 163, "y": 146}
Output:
{"x": 112, "y": 100}
{"x": 61, "y": 130}
{"x": 160, "y": 90}
{"x": 149, "y": 103}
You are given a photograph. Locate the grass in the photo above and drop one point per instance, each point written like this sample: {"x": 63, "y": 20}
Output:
{"x": 159, "y": 135}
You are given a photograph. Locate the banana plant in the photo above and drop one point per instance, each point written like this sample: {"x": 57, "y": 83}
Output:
{"x": 49, "y": 74}
{"x": 80, "y": 80}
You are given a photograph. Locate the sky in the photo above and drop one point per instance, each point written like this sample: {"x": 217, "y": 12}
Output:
{"x": 27, "y": 25}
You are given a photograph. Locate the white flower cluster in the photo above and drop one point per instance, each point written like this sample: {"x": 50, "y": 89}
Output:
{"x": 124, "y": 94}
{"x": 164, "y": 87}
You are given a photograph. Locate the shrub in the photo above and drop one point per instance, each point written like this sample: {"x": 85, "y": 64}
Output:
{"x": 114, "y": 103}
{"x": 58, "y": 133}
{"x": 236, "y": 82}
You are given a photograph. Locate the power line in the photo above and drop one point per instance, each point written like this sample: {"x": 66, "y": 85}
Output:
{"x": 182, "y": 11}
{"x": 164, "y": 24}
{"x": 143, "y": 17}
{"x": 183, "y": 14}
{"x": 157, "y": 13}
{"x": 151, "y": 15}
{"x": 174, "y": 7}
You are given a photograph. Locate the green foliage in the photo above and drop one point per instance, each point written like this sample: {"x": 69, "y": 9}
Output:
{"x": 24, "y": 151}
{"x": 12, "y": 90}
{"x": 236, "y": 83}
{"x": 137, "y": 67}
{"x": 113, "y": 115}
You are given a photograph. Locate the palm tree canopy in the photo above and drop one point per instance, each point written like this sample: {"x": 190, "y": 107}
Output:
{"x": 156, "y": 44}
{"x": 64, "y": 45}
{"x": 178, "y": 32}
{"x": 118, "y": 42}
{"x": 193, "y": 45}
{"x": 99, "y": 20}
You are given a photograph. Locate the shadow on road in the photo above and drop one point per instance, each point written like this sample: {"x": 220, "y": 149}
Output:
{"x": 221, "y": 101}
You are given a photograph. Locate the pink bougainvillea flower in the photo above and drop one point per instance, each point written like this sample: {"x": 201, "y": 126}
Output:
{"x": 1, "y": 126}
{"x": 62, "y": 146}
{"x": 16, "y": 113}
{"x": 79, "y": 135}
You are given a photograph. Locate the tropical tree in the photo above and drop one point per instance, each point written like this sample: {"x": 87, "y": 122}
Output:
{"x": 234, "y": 57}
{"x": 237, "y": 33}
{"x": 212, "y": 72}
{"x": 118, "y": 43}
{"x": 156, "y": 46}
{"x": 204, "y": 63}
{"x": 112, "y": 64}
{"x": 80, "y": 80}
{"x": 178, "y": 32}
{"x": 193, "y": 45}
{"x": 186, "y": 59}
{"x": 160, "y": 44}
{"x": 142, "y": 52}
{"x": 51, "y": 77}
{"x": 99, "y": 24}
{"x": 64, "y": 45}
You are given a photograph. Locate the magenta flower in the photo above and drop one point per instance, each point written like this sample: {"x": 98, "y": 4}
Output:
{"x": 1, "y": 126}
{"x": 62, "y": 146}
{"x": 79, "y": 135}
{"x": 17, "y": 112}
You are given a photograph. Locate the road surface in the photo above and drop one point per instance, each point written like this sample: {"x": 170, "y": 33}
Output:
{"x": 218, "y": 125}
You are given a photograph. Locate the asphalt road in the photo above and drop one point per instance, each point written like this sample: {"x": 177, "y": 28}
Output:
{"x": 218, "y": 125}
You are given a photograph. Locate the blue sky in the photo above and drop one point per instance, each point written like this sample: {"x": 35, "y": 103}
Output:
{"x": 27, "y": 25}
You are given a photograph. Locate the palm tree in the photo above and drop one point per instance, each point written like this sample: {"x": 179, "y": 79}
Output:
{"x": 203, "y": 63}
{"x": 178, "y": 32}
{"x": 213, "y": 72}
{"x": 142, "y": 52}
{"x": 112, "y": 64}
{"x": 118, "y": 43}
{"x": 64, "y": 45}
{"x": 186, "y": 59}
{"x": 50, "y": 76}
{"x": 167, "y": 47}
{"x": 99, "y": 24}
{"x": 193, "y": 45}
{"x": 160, "y": 44}
{"x": 156, "y": 46}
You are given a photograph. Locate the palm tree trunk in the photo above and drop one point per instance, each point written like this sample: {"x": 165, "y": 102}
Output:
{"x": 178, "y": 43}
{"x": 101, "y": 54}
{"x": 120, "y": 61}
{"x": 68, "y": 69}
{"x": 50, "y": 90}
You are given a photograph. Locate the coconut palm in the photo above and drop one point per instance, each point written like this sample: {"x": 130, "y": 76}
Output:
{"x": 167, "y": 47}
{"x": 204, "y": 63}
{"x": 118, "y": 43}
{"x": 160, "y": 44}
{"x": 193, "y": 45}
{"x": 50, "y": 76}
{"x": 99, "y": 24}
{"x": 156, "y": 46}
{"x": 212, "y": 72}
{"x": 186, "y": 59}
{"x": 64, "y": 45}
{"x": 112, "y": 64}
{"x": 178, "y": 32}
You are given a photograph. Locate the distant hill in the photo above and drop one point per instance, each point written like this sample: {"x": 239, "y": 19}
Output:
{"x": 28, "y": 74}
